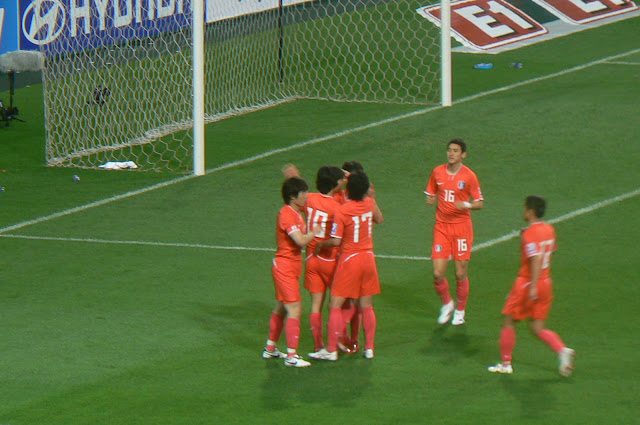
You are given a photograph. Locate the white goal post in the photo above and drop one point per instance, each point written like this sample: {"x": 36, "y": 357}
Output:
{"x": 135, "y": 81}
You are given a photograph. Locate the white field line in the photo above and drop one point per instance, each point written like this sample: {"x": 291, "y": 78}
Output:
{"x": 622, "y": 63}
{"x": 478, "y": 247}
{"x": 308, "y": 143}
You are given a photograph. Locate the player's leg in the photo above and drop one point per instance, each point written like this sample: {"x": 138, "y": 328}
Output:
{"x": 369, "y": 322}
{"x": 348, "y": 312}
{"x": 552, "y": 340}
{"x": 539, "y": 311}
{"x": 461, "y": 253}
{"x": 370, "y": 286}
{"x": 507, "y": 343}
{"x": 292, "y": 330}
{"x": 441, "y": 285}
{"x": 356, "y": 320}
{"x": 315, "y": 319}
{"x": 334, "y": 331}
{"x": 276, "y": 323}
{"x": 462, "y": 291}
{"x": 440, "y": 254}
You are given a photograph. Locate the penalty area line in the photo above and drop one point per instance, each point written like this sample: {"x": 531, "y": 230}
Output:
{"x": 511, "y": 235}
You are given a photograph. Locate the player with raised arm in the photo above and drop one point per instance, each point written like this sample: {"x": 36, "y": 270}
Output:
{"x": 532, "y": 292}
{"x": 356, "y": 274}
{"x": 321, "y": 208}
{"x": 291, "y": 236}
{"x": 456, "y": 191}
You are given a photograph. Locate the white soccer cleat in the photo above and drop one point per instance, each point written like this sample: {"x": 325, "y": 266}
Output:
{"x": 501, "y": 368}
{"x": 458, "y": 318}
{"x": 323, "y": 354}
{"x": 368, "y": 353}
{"x": 445, "y": 313}
{"x": 296, "y": 361}
{"x": 275, "y": 354}
{"x": 566, "y": 357}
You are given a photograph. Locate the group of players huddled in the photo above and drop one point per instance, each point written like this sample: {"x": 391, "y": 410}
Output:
{"x": 337, "y": 234}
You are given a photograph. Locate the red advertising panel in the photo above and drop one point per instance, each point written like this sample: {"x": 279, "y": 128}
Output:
{"x": 485, "y": 24}
{"x": 584, "y": 11}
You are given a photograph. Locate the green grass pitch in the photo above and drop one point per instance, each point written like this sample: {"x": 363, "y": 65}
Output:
{"x": 144, "y": 298}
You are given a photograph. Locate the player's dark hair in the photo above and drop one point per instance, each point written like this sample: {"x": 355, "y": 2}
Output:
{"x": 353, "y": 167}
{"x": 292, "y": 187}
{"x": 537, "y": 204}
{"x": 357, "y": 186}
{"x": 328, "y": 178}
{"x": 459, "y": 142}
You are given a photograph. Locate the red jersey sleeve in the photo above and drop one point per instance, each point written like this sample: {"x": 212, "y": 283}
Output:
{"x": 289, "y": 221}
{"x": 432, "y": 187}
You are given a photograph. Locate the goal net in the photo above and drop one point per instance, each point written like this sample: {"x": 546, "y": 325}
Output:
{"x": 118, "y": 80}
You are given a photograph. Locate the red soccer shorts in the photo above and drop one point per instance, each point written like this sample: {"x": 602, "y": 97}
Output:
{"x": 286, "y": 279}
{"x": 519, "y": 306}
{"x": 452, "y": 241}
{"x": 356, "y": 276}
{"x": 318, "y": 275}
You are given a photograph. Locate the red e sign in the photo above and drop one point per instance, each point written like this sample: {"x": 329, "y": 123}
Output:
{"x": 485, "y": 24}
{"x": 583, "y": 11}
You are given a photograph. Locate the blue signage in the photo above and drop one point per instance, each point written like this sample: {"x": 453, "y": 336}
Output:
{"x": 8, "y": 26}
{"x": 61, "y": 26}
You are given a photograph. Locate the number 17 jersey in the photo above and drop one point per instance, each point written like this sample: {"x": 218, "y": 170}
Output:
{"x": 353, "y": 223}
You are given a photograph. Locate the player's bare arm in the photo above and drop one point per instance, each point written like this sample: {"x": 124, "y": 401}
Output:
{"x": 535, "y": 264}
{"x": 290, "y": 170}
{"x": 377, "y": 214}
{"x": 431, "y": 199}
{"x": 475, "y": 205}
{"x": 327, "y": 243}
{"x": 303, "y": 239}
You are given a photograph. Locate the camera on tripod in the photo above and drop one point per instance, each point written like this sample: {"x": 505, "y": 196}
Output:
{"x": 11, "y": 63}
{"x": 8, "y": 113}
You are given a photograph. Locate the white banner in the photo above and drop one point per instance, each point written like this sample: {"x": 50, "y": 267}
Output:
{"x": 219, "y": 10}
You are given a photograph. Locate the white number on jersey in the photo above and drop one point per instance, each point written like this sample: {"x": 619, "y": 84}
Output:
{"x": 546, "y": 249}
{"x": 317, "y": 217}
{"x": 364, "y": 218}
{"x": 449, "y": 195}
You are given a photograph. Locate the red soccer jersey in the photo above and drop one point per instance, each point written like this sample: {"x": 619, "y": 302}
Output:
{"x": 462, "y": 186}
{"x": 340, "y": 196}
{"x": 289, "y": 220}
{"x": 353, "y": 224}
{"x": 321, "y": 210}
{"x": 537, "y": 239}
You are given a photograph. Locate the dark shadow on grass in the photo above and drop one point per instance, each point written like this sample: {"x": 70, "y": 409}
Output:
{"x": 338, "y": 384}
{"x": 451, "y": 344}
{"x": 236, "y": 324}
{"x": 533, "y": 394}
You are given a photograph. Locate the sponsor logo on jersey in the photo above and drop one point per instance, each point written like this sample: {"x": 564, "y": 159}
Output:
{"x": 584, "y": 11}
{"x": 531, "y": 249}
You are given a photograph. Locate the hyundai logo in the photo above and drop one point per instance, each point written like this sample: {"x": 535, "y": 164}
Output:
{"x": 43, "y": 21}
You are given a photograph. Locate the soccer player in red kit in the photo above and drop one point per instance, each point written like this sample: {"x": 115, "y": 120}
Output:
{"x": 455, "y": 189}
{"x": 356, "y": 274}
{"x": 532, "y": 292}
{"x": 291, "y": 236}
{"x": 321, "y": 208}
